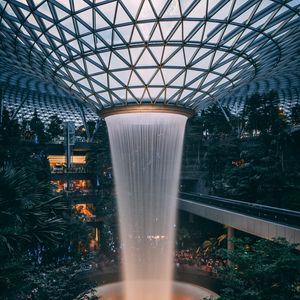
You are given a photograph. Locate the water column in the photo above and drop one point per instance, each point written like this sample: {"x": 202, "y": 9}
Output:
{"x": 146, "y": 152}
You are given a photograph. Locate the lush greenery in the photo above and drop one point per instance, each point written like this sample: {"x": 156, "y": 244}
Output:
{"x": 253, "y": 155}
{"x": 36, "y": 130}
{"x": 263, "y": 270}
{"x": 98, "y": 161}
{"x": 194, "y": 232}
{"x": 42, "y": 241}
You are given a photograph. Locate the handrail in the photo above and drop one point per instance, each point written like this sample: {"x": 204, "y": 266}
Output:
{"x": 270, "y": 213}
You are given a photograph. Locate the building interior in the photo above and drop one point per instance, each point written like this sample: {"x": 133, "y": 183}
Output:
{"x": 149, "y": 149}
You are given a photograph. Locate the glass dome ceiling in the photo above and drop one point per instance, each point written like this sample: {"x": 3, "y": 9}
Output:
{"x": 178, "y": 52}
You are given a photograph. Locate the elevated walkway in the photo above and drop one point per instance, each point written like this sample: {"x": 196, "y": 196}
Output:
{"x": 72, "y": 176}
{"x": 295, "y": 128}
{"x": 259, "y": 220}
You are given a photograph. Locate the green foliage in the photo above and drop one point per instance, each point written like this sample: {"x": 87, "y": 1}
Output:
{"x": 258, "y": 161}
{"x": 183, "y": 234}
{"x": 41, "y": 237}
{"x": 266, "y": 270}
{"x": 55, "y": 127}
{"x": 30, "y": 209}
{"x": 29, "y": 216}
{"x": 221, "y": 151}
{"x": 98, "y": 158}
{"x": 262, "y": 114}
{"x": 37, "y": 128}
{"x": 211, "y": 245}
{"x": 214, "y": 120}
{"x": 82, "y": 130}
{"x": 59, "y": 282}
{"x": 295, "y": 114}
{"x": 192, "y": 233}
{"x": 98, "y": 161}
{"x": 91, "y": 126}
{"x": 10, "y": 129}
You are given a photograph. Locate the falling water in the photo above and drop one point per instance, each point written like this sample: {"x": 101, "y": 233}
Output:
{"x": 146, "y": 152}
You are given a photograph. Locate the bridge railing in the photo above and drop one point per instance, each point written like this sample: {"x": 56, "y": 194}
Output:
{"x": 273, "y": 214}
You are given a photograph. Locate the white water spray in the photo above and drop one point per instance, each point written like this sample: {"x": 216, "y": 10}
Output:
{"x": 146, "y": 153}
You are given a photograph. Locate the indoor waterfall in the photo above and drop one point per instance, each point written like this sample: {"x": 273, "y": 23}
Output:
{"x": 146, "y": 152}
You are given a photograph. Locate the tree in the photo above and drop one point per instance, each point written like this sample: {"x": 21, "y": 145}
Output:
{"x": 214, "y": 120}
{"x": 99, "y": 158}
{"x": 263, "y": 114}
{"x": 91, "y": 126}
{"x": 82, "y": 130}
{"x": 26, "y": 134}
{"x": 55, "y": 127}
{"x": 9, "y": 129}
{"x": 295, "y": 114}
{"x": 220, "y": 153}
{"x": 267, "y": 270}
{"x": 29, "y": 218}
{"x": 37, "y": 127}
{"x": 182, "y": 235}
{"x": 41, "y": 237}
{"x": 261, "y": 165}
{"x": 212, "y": 140}
{"x": 99, "y": 162}
{"x": 211, "y": 245}
{"x": 40, "y": 240}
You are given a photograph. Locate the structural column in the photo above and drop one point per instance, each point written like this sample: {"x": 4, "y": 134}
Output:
{"x": 230, "y": 235}
{"x": 230, "y": 245}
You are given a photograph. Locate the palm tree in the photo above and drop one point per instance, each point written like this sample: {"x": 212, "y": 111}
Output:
{"x": 211, "y": 245}
{"x": 30, "y": 218}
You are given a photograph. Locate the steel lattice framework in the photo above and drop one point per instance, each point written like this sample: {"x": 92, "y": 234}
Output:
{"x": 175, "y": 52}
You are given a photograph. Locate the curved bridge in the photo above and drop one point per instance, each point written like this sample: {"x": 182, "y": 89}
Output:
{"x": 259, "y": 220}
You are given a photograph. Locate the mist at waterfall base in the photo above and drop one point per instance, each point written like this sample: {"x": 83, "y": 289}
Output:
{"x": 146, "y": 154}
